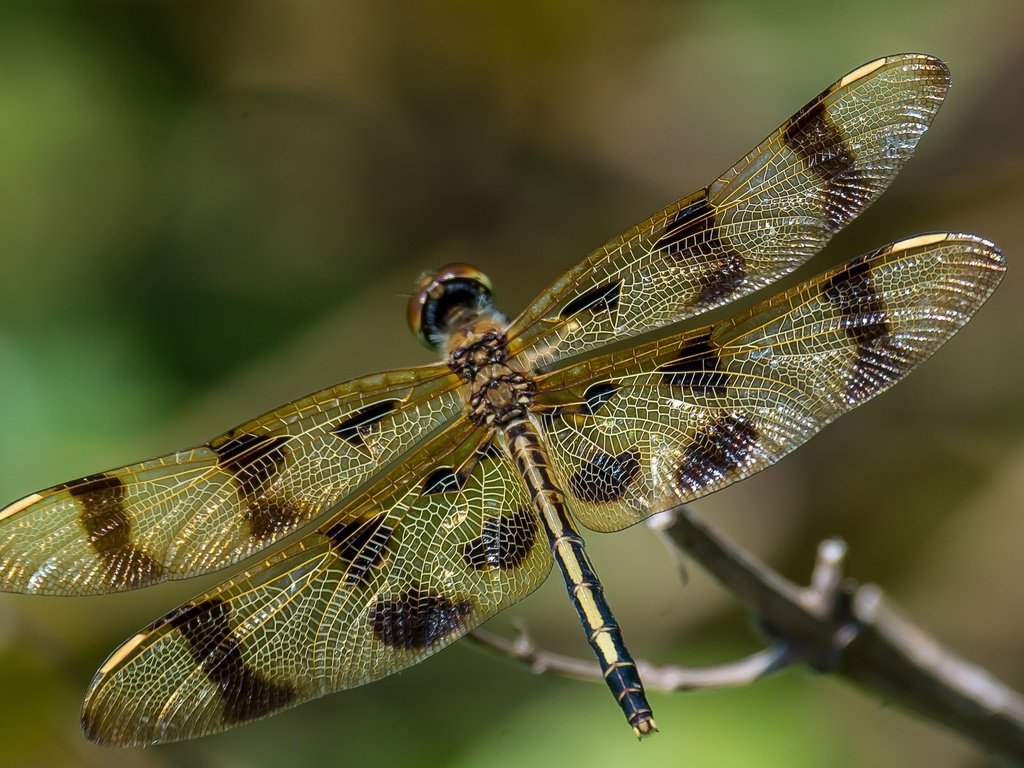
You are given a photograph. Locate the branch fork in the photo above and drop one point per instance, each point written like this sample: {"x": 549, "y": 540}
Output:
{"x": 833, "y": 625}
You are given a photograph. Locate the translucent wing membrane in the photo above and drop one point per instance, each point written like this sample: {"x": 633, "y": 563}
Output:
{"x": 634, "y": 432}
{"x": 416, "y": 526}
{"x": 765, "y": 216}
{"x": 445, "y": 541}
{"x": 206, "y": 507}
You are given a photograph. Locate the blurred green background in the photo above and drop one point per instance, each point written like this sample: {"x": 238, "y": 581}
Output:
{"x": 207, "y": 209}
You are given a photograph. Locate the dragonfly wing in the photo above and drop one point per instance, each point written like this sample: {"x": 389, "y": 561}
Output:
{"x": 762, "y": 218}
{"x": 206, "y": 507}
{"x": 637, "y": 431}
{"x": 433, "y": 549}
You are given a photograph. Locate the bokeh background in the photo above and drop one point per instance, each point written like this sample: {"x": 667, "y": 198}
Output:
{"x": 207, "y": 209}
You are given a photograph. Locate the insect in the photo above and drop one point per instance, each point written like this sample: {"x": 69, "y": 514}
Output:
{"x": 430, "y": 498}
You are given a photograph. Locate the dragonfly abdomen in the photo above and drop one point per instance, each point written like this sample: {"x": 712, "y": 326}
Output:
{"x": 523, "y": 442}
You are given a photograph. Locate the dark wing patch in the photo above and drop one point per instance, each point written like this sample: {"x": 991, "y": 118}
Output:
{"x": 812, "y": 135}
{"x": 605, "y": 478}
{"x": 770, "y": 212}
{"x": 595, "y": 398}
{"x": 697, "y": 367}
{"x": 252, "y": 459}
{"x": 268, "y": 517}
{"x": 356, "y": 427}
{"x": 598, "y": 395}
{"x": 362, "y": 544}
{"x": 100, "y": 499}
{"x": 255, "y": 460}
{"x": 721, "y": 448}
{"x": 442, "y": 480}
{"x": 601, "y": 298}
{"x": 505, "y": 542}
{"x": 417, "y": 619}
{"x": 245, "y": 694}
{"x": 692, "y": 235}
{"x": 878, "y": 361}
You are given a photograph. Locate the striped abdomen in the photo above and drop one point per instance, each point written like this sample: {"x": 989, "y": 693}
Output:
{"x": 523, "y": 443}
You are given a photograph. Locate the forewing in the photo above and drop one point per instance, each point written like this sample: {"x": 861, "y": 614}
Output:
{"x": 765, "y": 216}
{"x": 206, "y": 507}
{"x": 423, "y": 557}
{"x": 638, "y": 431}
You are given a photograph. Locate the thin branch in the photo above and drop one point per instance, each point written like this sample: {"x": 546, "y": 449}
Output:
{"x": 660, "y": 678}
{"x": 860, "y": 635}
{"x": 834, "y": 625}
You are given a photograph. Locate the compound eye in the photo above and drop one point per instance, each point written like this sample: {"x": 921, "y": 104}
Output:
{"x": 437, "y": 296}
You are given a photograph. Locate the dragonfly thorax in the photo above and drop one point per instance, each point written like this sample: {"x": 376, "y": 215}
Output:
{"x": 498, "y": 394}
{"x": 497, "y": 391}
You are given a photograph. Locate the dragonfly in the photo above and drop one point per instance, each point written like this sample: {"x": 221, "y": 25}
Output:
{"x": 386, "y": 516}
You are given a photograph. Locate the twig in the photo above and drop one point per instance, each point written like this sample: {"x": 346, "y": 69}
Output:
{"x": 860, "y": 635}
{"x": 835, "y": 626}
{"x": 661, "y": 678}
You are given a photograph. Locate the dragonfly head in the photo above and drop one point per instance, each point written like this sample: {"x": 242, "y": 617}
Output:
{"x": 454, "y": 294}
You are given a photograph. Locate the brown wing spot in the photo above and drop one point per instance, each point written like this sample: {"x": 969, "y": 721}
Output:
{"x": 879, "y": 361}
{"x": 442, "y": 480}
{"x": 356, "y": 427}
{"x": 720, "y": 449}
{"x": 813, "y": 136}
{"x": 270, "y": 517}
{"x": 245, "y": 694}
{"x": 595, "y": 398}
{"x": 362, "y": 543}
{"x": 697, "y": 367}
{"x": 417, "y": 619}
{"x": 182, "y": 615}
{"x": 602, "y": 298}
{"x": 692, "y": 234}
{"x": 255, "y": 460}
{"x": 108, "y": 528}
{"x": 505, "y": 542}
{"x": 605, "y": 478}
{"x": 598, "y": 395}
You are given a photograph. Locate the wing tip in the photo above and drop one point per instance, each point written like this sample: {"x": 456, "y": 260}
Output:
{"x": 95, "y": 729}
{"x": 107, "y": 727}
{"x": 978, "y": 243}
{"x": 20, "y": 505}
{"x": 868, "y": 69}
